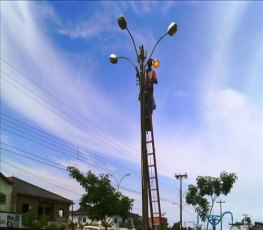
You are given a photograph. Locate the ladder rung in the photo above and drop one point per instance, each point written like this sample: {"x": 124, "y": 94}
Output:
{"x": 150, "y": 166}
{"x": 152, "y": 177}
{"x": 148, "y": 142}
{"x": 150, "y": 153}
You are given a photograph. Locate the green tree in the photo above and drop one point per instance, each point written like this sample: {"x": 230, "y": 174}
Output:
{"x": 102, "y": 201}
{"x": 203, "y": 196}
{"x": 246, "y": 220}
{"x": 137, "y": 224}
{"x": 30, "y": 223}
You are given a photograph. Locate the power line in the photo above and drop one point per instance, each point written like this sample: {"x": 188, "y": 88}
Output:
{"x": 94, "y": 134}
{"x": 96, "y": 159}
{"x": 65, "y": 105}
{"x": 61, "y": 102}
{"x": 63, "y": 169}
{"x": 58, "y": 112}
{"x": 48, "y": 141}
{"x": 45, "y": 161}
{"x": 47, "y": 180}
{"x": 34, "y": 135}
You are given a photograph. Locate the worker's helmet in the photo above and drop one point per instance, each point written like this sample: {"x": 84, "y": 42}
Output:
{"x": 150, "y": 61}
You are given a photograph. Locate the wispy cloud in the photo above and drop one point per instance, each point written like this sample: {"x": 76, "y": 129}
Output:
{"x": 88, "y": 29}
{"x": 47, "y": 65}
{"x": 222, "y": 39}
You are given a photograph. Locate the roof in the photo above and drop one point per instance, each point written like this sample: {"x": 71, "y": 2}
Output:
{"x": 5, "y": 178}
{"x": 134, "y": 215}
{"x": 79, "y": 212}
{"x": 25, "y": 188}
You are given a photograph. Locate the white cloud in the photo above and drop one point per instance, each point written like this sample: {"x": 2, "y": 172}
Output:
{"x": 229, "y": 138}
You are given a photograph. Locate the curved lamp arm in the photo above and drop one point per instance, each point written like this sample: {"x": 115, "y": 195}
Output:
{"x": 128, "y": 174}
{"x": 157, "y": 44}
{"x": 115, "y": 180}
{"x": 217, "y": 220}
{"x": 133, "y": 42}
{"x": 230, "y": 215}
{"x": 119, "y": 183}
{"x": 172, "y": 29}
{"x": 123, "y": 25}
{"x": 114, "y": 59}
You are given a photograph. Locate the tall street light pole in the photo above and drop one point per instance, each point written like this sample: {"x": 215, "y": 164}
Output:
{"x": 180, "y": 177}
{"x": 119, "y": 183}
{"x": 141, "y": 57}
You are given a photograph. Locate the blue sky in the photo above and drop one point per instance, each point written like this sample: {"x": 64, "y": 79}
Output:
{"x": 63, "y": 103}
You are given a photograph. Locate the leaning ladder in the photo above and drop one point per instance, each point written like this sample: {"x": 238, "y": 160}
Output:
{"x": 152, "y": 178}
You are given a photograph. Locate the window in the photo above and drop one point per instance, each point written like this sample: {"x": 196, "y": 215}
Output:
{"x": 61, "y": 212}
{"x": 2, "y": 198}
{"x": 115, "y": 220}
{"x": 84, "y": 220}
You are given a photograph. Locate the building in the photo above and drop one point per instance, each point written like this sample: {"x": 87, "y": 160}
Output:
{"x": 80, "y": 218}
{"x": 5, "y": 193}
{"x": 21, "y": 197}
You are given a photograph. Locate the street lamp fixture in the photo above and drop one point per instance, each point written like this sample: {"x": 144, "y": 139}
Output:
{"x": 122, "y": 22}
{"x": 113, "y": 58}
{"x": 172, "y": 28}
{"x": 140, "y": 70}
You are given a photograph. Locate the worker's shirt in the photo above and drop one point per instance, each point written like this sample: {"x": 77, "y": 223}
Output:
{"x": 151, "y": 78}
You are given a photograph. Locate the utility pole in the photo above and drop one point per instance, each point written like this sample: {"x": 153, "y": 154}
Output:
{"x": 220, "y": 202}
{"x": 180, "y": 177}
{"x": 141, "y": 57}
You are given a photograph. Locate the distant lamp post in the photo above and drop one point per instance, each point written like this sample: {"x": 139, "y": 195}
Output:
{"x": 118, "y": 183}
{"x": 141, "y": 57}
{"x": 180, "y": 177}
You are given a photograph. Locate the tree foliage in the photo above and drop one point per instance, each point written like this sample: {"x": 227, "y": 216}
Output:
{"x": 101, "y": 200}
{"x": 207, "y": 190}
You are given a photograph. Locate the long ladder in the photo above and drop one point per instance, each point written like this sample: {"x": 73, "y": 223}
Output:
{"x": 152, "y": 177}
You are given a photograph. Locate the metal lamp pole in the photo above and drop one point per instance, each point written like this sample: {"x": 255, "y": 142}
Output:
{"x": 141, "y": 57}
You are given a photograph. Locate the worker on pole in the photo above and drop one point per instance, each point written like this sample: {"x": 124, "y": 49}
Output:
{"x": 151, "y": 78}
